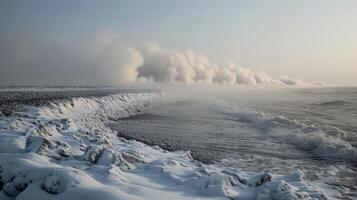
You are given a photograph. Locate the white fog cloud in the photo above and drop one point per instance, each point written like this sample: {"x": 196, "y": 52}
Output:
{"x": 162, "y": 65}
{"x": 104, "y": 59}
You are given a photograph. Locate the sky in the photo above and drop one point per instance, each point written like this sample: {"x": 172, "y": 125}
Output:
{"x": 229, "y": 41}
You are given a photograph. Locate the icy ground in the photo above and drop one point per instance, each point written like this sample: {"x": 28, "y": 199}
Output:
{"x": 64, "y": 150}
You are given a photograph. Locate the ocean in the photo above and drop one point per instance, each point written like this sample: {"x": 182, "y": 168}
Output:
{"x": 277, "y": 130}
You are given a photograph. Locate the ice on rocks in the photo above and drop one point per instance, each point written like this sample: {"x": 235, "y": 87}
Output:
{"x": 259, "y": 179}
{"x": 213, "y": 184}
{"x": 51, "y": 148}
{"x": 102, "y": 155}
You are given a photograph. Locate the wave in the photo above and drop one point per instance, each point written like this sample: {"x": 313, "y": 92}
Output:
{"x": 333, "y": 103}
{"x": 325, "y": 142}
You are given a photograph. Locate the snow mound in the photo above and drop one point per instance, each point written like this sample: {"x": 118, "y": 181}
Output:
{"x": 11, "y": 143}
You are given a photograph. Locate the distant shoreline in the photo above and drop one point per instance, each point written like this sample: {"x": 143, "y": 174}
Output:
{"x": 11, "y": 99}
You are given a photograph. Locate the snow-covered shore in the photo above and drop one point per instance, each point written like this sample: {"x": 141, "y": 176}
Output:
{"x": 64, "y": 150}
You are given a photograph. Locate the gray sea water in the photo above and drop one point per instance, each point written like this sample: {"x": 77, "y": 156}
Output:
{"x": 278, "y": 130}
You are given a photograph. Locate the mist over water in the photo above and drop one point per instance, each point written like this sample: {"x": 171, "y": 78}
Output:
{"x": 279, "y": 130}
{"x": 105, "y": 58}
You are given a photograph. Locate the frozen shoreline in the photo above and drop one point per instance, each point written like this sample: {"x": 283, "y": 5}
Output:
{"x": 64, "y": 150}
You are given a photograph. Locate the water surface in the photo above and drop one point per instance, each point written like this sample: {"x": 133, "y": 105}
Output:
{"x": 280, "y": 131}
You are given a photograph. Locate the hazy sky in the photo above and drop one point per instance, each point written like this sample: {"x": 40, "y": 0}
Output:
{"x": 313, "y": 40}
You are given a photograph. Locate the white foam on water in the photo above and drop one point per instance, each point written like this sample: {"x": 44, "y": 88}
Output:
{"x": 305, "y": 135}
